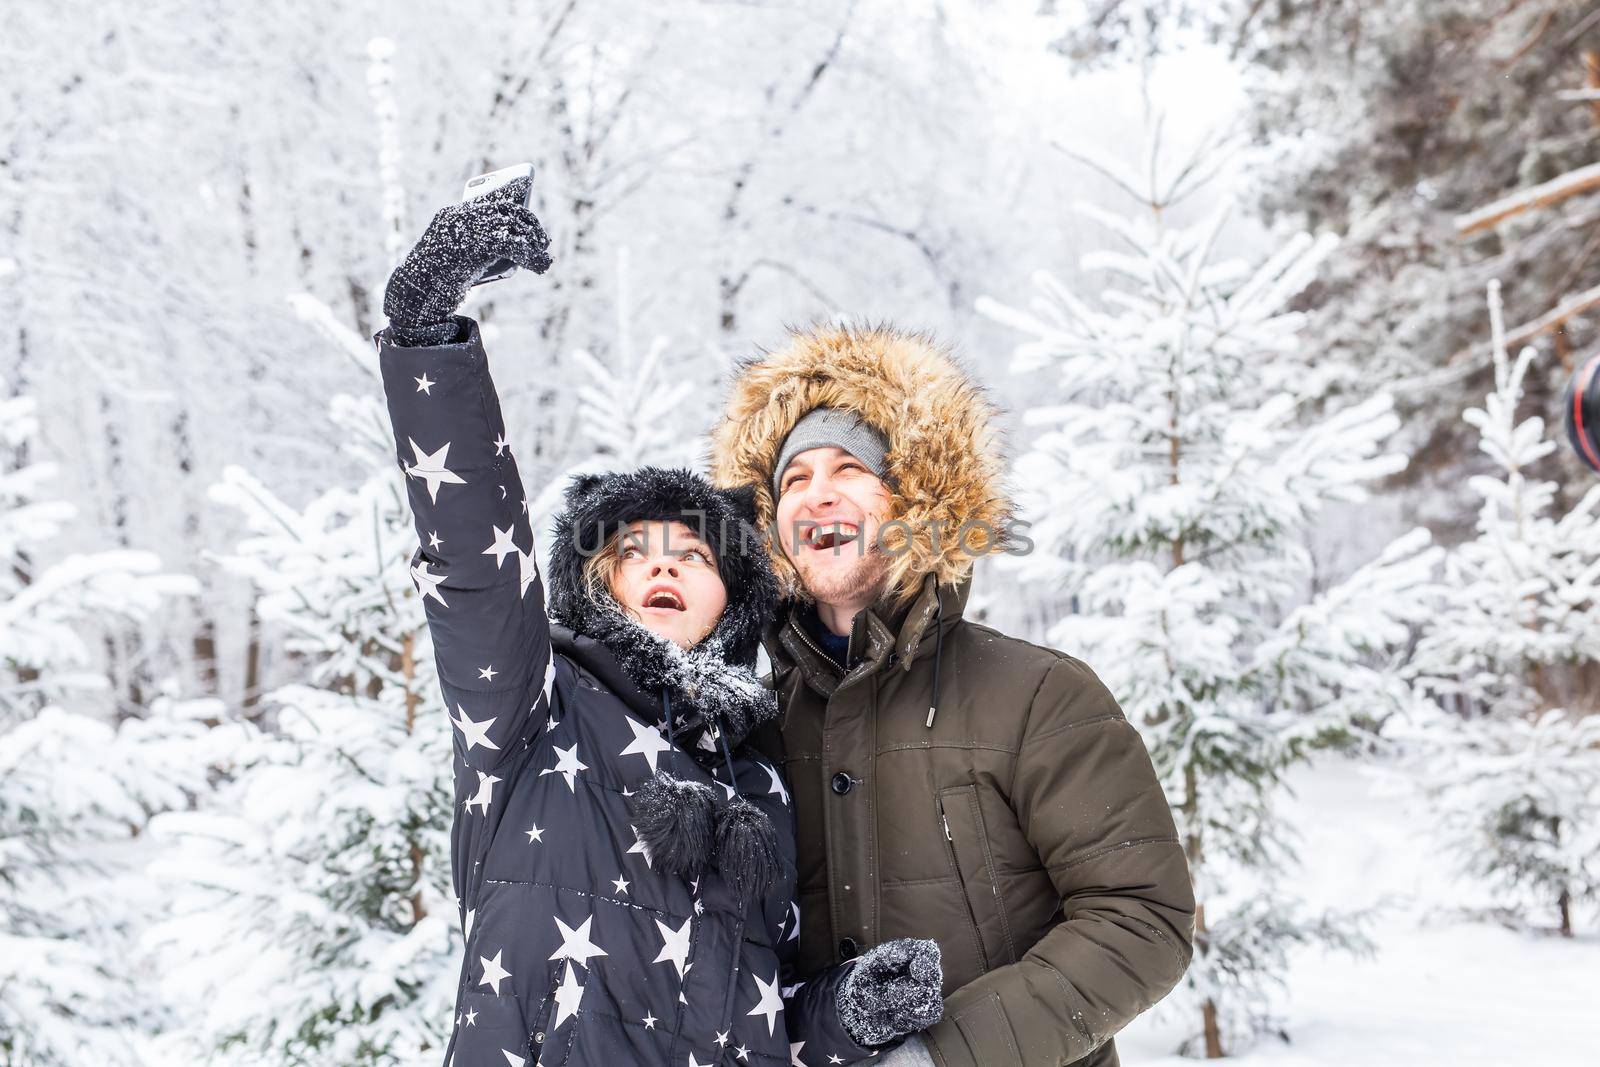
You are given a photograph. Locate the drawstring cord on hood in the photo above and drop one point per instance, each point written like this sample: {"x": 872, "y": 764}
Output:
{"x": 716, "y": 727}
{"x": 727, "y": 757}
{"x": 938, "y": 647}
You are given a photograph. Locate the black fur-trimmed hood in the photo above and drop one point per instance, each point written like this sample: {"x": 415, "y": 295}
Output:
{"x": 599, "y": 504}
{"x": 707, "y": 697}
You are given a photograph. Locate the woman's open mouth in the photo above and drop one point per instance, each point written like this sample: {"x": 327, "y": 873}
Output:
{"x": 663, "y": 600}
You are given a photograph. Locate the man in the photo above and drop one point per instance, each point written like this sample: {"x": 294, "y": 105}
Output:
{"x": 949, "y": 782}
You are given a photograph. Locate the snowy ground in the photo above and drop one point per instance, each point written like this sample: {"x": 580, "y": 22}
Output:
{"x": 1445, "y": 988}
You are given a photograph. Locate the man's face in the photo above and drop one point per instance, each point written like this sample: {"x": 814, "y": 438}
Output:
{"x": 667, "y": 579}
{"x": 830, "y": 507}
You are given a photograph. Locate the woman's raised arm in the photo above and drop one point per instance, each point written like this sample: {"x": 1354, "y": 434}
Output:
{"x": 474, "y": 564}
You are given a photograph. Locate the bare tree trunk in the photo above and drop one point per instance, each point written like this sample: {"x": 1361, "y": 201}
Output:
{"x": 252, "y": 662}
{"x": 1194, "y": 852}
{"x": 729, "y": 284}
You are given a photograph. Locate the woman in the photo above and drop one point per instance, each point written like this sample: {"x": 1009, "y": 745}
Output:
{"x": 624, "y": 866}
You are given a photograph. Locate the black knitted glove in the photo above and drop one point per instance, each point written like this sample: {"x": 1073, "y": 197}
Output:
{"x": 893, "y": 989}
{"x": 461, "y": 242}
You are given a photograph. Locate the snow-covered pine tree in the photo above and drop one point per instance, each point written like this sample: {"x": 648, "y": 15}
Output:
{"x": 312, "y": 920}
{"x": 1514, "y": 650}
{"x": 73, "y": 788}
{"x": 632, "y": 409}
{"x": 1419, "y": 131}
{"x": 1171, "y": 496}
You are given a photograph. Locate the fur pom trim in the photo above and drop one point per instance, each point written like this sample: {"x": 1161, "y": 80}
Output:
{"x": 676, "y": 823}
{"x": 747, "y": 847}
{"x": 944, "y": 459}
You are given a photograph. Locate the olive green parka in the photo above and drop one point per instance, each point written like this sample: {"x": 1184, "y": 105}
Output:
{"x": 956, "y": 783}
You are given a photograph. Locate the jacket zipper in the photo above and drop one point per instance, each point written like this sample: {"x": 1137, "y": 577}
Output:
{"x": 801, "y": 631}
{"x": 961, "y": 888}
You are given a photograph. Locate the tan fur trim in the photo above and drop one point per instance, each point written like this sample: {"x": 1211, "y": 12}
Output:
{"x": 944, "y": 449}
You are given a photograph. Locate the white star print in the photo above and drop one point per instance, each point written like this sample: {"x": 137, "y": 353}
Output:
{"x": 487, "y": 673}
{"x": 434, "y": 540}
{"x": 493, "y": 973}
{"x": 484, "y": 794}
{"x": 567, "y": 997}
{"x": 527, "y": 571}
{"x": 742, "y": 1052}
{"x": 722, "y": 1039}
{"x": 513, "y": 1060}
{"x": 832, "y": 1058}
{"x": 638, "y": 846}
{"x": 466, "y": 930}
{"x": 794, "y": 931}
{"x": 423, "y": 385}
{"x": 777, "y": 789}
{"x": 675, "y": 949}
{"x": 502, "y": 491}
{"x": 503, "y": 545}
{"x": 619, "y": 885}
{"x": 771, "y": 1002}
{"x": 794, "y": 1053}
{"x": 649, "y": 1021}
{"x": 549, "y": 676}
{"x": 430, "y": 468}
{"x": 575, "y": 944}
{"x": 428, "y": 583}
{"x": 646, "y": 742}
{"x": 695, "y": 1063}
{"x": 472, "y": 1017}
{"x": 567, "y": 765}
{"x": 500, "y": 443}
{"x": 534, "y": 834}
{"x": 474, "y": 732}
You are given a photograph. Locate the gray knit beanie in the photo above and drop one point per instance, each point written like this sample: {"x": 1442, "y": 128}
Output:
{"x": 821, "y": 427}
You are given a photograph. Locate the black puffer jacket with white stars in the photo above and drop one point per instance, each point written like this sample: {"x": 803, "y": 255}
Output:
{"x": 582, "y": 947}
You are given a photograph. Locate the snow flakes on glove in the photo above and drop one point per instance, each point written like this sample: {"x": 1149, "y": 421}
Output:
{"x": 892, "y": 990}
{"x": 461, "y": 242}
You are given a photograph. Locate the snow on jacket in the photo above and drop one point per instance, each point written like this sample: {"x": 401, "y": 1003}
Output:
{"x": 580, "y": 947}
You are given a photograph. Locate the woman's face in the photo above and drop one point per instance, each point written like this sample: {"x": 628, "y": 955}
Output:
{"x": 667, "y": 579}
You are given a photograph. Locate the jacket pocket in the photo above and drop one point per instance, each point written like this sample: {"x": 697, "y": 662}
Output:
{"x": 973, "y": 856}
{"x": 547, "y": 1049}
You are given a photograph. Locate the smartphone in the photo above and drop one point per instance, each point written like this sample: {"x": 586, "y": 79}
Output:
{"x": 487, "y": 183}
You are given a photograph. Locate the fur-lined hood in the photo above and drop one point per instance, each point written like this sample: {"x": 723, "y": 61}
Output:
{"x": 944, "y": 456}
{"x": 598, "y": 505}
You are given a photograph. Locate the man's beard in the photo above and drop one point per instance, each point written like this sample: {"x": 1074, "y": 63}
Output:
{"x": 863, "y": 574}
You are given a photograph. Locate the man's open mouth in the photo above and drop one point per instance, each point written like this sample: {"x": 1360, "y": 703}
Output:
{"x": 663, "y": 599}
{"x": 831, "y": 537}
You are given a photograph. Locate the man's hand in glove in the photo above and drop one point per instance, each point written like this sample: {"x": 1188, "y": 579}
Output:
{"x": 892, "y": 990}
{"x": 461, "y": 242}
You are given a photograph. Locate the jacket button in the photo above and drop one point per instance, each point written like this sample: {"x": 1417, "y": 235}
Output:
{"x": 842, "y": 783}
{"x": 848, "y": 949}
{"x": 538, "y": 1037}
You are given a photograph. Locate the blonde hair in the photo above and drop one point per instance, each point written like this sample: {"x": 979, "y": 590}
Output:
{"x": 600, "y": 571}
